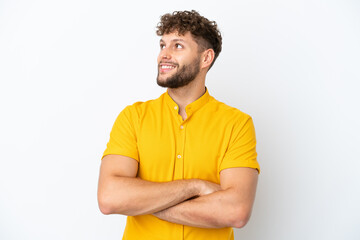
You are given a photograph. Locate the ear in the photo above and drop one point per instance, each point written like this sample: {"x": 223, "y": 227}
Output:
{"x": 208, "y": 58}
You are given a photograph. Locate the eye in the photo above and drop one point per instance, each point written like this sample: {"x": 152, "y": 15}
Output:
{"x": 179, "y": 46}
{"x": 162, "y": 46}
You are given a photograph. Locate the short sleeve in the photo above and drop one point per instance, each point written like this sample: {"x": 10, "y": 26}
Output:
{"x": 123, "y": 139}
{"x": 241, "y": 151}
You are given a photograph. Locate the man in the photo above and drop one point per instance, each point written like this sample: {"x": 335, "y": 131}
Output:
{"x": 182, "y": 166}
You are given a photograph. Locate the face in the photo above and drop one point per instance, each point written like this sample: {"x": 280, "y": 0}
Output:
{"x": 178, "y": 61}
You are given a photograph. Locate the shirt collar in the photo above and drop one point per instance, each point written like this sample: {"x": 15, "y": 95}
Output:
{"x": 192, "y": 107}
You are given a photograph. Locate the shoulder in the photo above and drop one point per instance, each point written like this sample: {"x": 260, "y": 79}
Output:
{"x": 140, "y": 108}
{"x": 228, "y": 112}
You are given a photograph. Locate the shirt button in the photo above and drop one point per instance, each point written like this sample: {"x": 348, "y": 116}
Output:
{"x": 175, "y": 107}
{"x": 181, "y": 127}
{"x": 178, "y": 156}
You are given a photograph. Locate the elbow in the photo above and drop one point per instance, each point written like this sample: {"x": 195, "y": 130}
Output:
{"x": 108, "y": 205}
{"x": 239, "y": 223}
{"x": 105, "y": 206}
{"x": 105, "y": 209}
{"x": 239, "y": 218}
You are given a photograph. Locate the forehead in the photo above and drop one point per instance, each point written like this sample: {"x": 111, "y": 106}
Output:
{"x": 175, "y": 36}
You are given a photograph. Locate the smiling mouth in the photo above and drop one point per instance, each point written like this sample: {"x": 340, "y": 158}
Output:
{"x": 165, "y": 67}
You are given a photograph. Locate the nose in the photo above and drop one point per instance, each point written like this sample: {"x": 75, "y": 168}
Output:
{"x": 165, "y": 54}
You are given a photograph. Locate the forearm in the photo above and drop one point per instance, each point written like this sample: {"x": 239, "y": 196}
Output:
{"x": 134, "y": 196}
{"x": 216, "y": 210}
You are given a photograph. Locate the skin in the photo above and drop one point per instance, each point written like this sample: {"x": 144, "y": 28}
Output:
{"x": 229, "y": 207}
{"x": 192, "y": 202}
{"x": 183, "y": 73}
{"x": 121, "y": 192}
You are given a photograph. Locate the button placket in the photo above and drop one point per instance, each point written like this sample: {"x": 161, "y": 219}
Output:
{"x": 179, "y": 158}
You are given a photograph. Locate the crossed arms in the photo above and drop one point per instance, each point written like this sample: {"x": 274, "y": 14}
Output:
{"x": 192, "y": 202}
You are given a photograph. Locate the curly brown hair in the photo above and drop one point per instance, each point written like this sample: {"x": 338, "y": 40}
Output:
{"x": 205, "y": 32}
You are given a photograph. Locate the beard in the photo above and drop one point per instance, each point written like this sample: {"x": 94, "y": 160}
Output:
{"x": 184, "y": 75}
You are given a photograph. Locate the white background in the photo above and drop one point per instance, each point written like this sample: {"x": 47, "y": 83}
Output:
{"x": 67, "y": 68}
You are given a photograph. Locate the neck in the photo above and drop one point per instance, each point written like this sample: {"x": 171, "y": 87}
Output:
{"x": 183, "y": 96}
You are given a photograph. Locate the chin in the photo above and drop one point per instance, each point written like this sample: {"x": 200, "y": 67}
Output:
{"x": 161, "y": 82}
{"x": 162, "y": 79}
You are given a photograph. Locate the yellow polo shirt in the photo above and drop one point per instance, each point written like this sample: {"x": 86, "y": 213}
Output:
{"x": 212, "y": 138}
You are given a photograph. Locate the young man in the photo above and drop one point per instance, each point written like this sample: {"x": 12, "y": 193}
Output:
{"x": 182, "y": 166}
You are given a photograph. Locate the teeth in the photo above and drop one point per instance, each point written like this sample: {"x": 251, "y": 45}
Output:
{"x": 167, "y": 67}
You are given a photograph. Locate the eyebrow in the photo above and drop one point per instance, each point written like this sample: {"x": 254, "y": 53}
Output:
{"x": 175, "y": 40}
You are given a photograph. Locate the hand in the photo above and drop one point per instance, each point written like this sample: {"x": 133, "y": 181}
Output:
{"x": 207, "y": 187}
